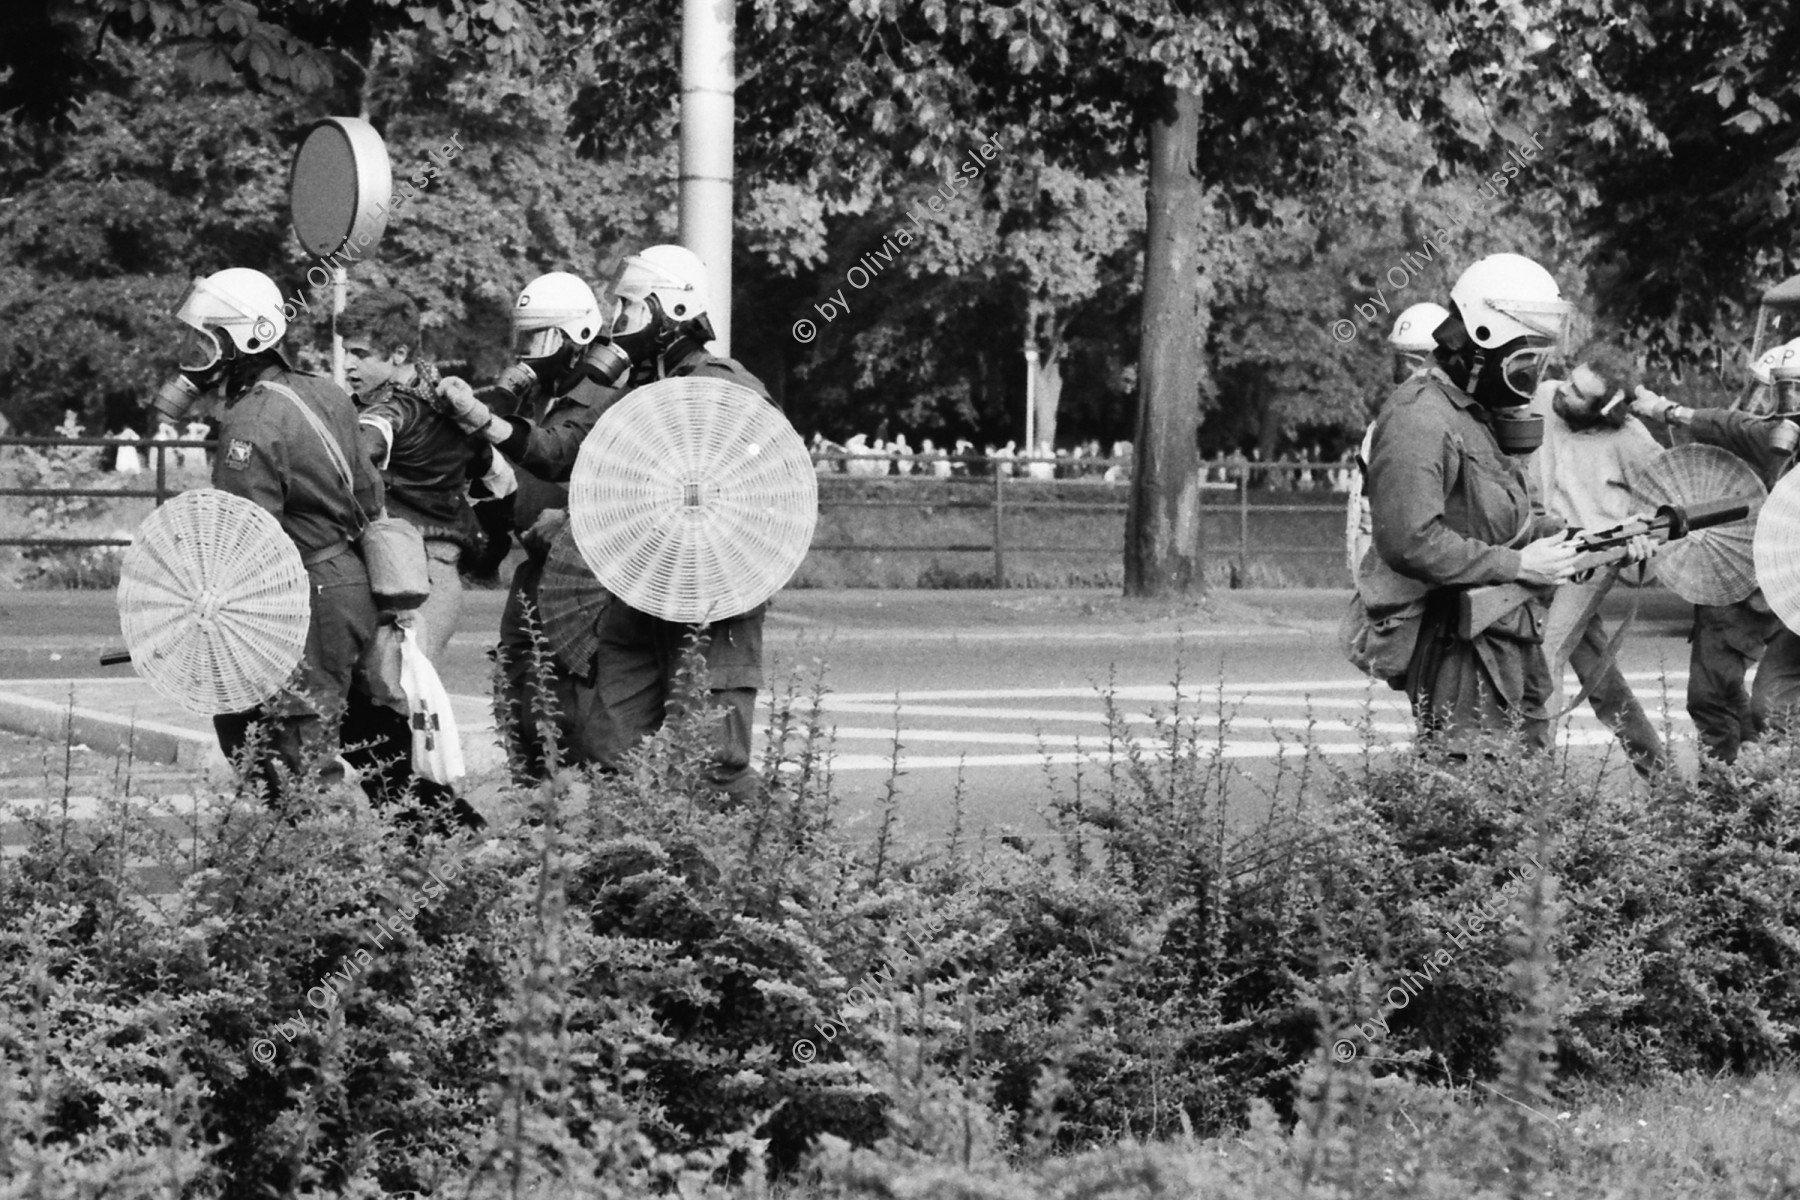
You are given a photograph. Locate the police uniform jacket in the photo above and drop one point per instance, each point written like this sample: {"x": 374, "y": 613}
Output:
{"x": 734, "y": 651}
{"x": 546, "y": 442}
{"x": 1448, "y": 507}
{"x": 1744, "y": 435}
{"x": 270, "y": 454}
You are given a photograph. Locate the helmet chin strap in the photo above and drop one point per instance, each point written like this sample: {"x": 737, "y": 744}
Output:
{"x": 240, "y": 372}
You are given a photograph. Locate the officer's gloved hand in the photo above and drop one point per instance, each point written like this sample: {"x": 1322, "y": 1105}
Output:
{"x": 545, "y": 530}
{"x": 457, "y": 400}
{"x": 1650, "y": 406}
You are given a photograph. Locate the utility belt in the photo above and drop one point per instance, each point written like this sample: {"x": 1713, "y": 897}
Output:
{"x": 318, "y": 558}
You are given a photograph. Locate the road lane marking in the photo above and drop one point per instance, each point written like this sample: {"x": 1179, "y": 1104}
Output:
{"x": 1292, "y": 691}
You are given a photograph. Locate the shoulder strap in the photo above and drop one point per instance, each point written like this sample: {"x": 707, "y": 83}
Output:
{"x": 333, "y": 451}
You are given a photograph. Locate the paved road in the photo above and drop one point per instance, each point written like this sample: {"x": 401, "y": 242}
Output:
{"x": 1002, "y": 691}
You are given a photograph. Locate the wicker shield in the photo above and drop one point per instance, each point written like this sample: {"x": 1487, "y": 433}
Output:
{"x": 570, "y": 601}
{"x": 213, "y": 602}
{"x": 1708, "y": 566}
{"x": 693, "y": 499}
{"x": 1778, "y": 550}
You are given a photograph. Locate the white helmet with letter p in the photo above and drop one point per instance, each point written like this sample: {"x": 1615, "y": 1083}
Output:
{"x": 1413, "y": 328}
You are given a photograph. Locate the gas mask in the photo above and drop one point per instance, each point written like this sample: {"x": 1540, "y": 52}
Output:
{"x": 520, "y": 382}
{"x": 639, "y": 334}
{"x": 1508, "y": 379}
{"x": 548, "y": 353}
{"x": 1408, "y": 363}
{"x": 201, "y": 365}
{"x": 1501, "y": 380}
{"x": 1787, "y": 394}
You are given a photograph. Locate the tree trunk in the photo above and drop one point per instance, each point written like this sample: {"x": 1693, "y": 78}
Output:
{"x": 1162, "y": 530}
{"x": 1046, "y": 396}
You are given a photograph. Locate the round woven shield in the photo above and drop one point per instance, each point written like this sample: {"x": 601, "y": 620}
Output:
{"x": 570, "y": 601}
{"x": 213, "y": 602}
{"x": 693, "y": 499}
{"x": 1708, "y": 566}
{"x": 1778, "y": 550}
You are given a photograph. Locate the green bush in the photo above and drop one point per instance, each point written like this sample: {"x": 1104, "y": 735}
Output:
{"x": 631, "y": 988}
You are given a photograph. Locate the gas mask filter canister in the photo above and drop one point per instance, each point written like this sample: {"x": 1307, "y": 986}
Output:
{"x": 174, "y": 399}
{"x": 1518, "y": 430}
{"x": 606, "y": 363}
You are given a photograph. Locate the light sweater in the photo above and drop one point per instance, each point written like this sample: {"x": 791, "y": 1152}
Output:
{"x": 1584, "y": 475}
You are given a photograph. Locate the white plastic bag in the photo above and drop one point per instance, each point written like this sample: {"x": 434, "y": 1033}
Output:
{"x": 436, "y": 749}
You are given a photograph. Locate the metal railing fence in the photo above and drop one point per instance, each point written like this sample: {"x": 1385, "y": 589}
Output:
{"x": 994, "y": 487}
{"x": 1003, "y": 487}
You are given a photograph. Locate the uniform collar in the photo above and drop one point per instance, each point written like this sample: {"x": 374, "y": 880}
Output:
{"x": 280, "y": 366}
{"x": 681, "y": 358}
{"x": 1458, "y": 397}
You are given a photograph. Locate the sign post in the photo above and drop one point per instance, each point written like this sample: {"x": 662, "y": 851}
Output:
{"x": 339, "y": 189}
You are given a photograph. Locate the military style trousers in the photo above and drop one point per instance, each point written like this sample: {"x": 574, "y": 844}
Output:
{"x": 1466, "y": 690}
{"x": 637, "y": 685}
{"x": 538, "y": 697}
{"x": 303, "y": 723}
{"x": 1724, "y": 641}
{"x": 1609, "y": 695}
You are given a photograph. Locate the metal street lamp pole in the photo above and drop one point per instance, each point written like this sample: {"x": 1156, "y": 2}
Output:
{"x": 708, "y": 88}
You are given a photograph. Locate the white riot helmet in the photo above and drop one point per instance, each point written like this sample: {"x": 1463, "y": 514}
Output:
{"x": 1507, "y": 296}
{"x": 554, "y": 311}
{"x": 243, "y": 304}
{"x": 672, "y": 276}
{"x": 1506, "y": 299}
{"x": 1413, "y": 328}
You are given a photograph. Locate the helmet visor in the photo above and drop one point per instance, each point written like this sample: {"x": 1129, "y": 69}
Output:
{"x": 530, "y": 344}
{"x": 1551, "y": 319}
{"x": 637, "y": 279}
{"x": 198, "y": 350}
{"x": 630, "y": 314}
{"x": 202, "y": 305}
{"x": 1525, "y": 368}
